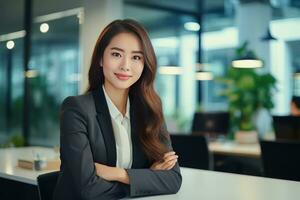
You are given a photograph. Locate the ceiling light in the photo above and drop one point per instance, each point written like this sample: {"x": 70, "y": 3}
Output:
{"x": 247, "y": 63}
{"x": 297, "y": 74}
{"x": 10, "y": 44}
{"x": 204, "y": 76}
{"x": 170, "y": 70}
{"x": 31, "y": 73}
{"x": 201, "y": 74}
{"x": 192, "y": 26}
{"x": 44, "y": 27}
{"x": 246, "y": 58}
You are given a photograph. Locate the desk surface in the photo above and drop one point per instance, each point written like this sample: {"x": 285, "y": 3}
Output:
{"x": 210, "y": 185}
{"x": 235, "y": 149}
{"x": 10, "y": 156}
{"x": 197, "y": 184}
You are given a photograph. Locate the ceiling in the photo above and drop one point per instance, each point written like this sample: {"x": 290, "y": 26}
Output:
{"x": 12, "y": 11}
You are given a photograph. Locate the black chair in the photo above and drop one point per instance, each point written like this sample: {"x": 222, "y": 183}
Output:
{"x": 287, "y": 127}
{"x": 281, "y": 159}
{"x": 46, "y": 185}
{"x": 192, "y": 151}
{"x": 210, "y": 123}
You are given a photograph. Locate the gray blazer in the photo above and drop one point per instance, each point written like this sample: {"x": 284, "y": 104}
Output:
{"x": 87, "y": 137}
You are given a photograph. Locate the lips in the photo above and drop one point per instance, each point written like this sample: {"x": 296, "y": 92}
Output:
{"x": 122, "y": 76}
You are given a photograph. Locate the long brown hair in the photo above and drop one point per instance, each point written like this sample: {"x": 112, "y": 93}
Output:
{"x": 151, "y": 121}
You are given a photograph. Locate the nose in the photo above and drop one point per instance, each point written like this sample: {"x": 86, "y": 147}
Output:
{"x": 125, "y": 65}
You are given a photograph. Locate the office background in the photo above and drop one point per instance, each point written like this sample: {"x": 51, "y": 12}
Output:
{"x": 39, "y": 69}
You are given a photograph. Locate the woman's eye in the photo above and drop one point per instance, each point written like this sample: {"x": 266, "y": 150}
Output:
{"x": 115, "y": 54}
{"x": 137, "y": 57}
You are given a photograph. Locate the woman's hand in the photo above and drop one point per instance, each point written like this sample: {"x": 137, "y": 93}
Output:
{"x": 167, "y": 163}
{"x": 112, "y": 173}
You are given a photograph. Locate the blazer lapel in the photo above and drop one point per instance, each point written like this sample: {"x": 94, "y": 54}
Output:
{"x": 105, "y": 123}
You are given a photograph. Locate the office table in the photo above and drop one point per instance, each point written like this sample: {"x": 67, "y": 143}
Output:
{"x": 230, "y": 156}
{"x": 232, "y": 148}
{"x": 197, "y": 184}
{"x": 10, "y": 156}
{"x": 210, "y": 185}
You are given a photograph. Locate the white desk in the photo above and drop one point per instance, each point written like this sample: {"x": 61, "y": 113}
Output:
{"x": 210, "y": 185}
{"x": 235, "y": 149}
{"x": 8, "y": 163}
{"x": 197, "y": 184}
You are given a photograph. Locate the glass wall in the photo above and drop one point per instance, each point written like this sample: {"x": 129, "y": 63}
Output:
{"x": 54, "y": 64}
{"x": 220, "y": 38}
{"x": 53, "y": 69}
{"x": 11, "y": 82}
{"x": 11, "y": 70}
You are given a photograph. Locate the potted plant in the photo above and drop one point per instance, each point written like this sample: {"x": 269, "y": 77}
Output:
{"x": 247, "y": 91}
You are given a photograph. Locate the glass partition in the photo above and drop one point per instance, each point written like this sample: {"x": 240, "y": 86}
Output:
{"x": 11, "y": 70}
{"x": 54, "y": 75}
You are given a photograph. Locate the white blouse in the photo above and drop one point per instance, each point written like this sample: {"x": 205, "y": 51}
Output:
{"x": 122, "y": 133}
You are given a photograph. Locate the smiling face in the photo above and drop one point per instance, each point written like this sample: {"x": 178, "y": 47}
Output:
{"x": 123, "y": 61}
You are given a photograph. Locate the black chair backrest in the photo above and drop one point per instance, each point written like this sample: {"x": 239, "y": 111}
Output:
{"x": 192, "y": 151}
{"x": 211, "y": 123}
{"x": 46, "y": 185}
{"x": 287, "y": 127}
{"x": 281, "y": 159}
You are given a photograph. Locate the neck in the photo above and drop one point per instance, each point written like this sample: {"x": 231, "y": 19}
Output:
{"x": 118, "y": 97}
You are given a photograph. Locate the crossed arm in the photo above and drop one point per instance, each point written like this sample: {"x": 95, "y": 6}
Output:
{"x": 97, "y": 181}
{"x": 119, "y": 174}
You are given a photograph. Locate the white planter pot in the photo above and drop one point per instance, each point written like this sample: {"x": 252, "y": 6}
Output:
{"x": 246, "y": 137}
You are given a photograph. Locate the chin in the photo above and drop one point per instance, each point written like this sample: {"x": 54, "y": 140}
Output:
{"x": 122, "y": 86}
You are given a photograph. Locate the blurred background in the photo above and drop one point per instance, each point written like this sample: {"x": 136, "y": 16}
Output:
{"x": 46, "y": 46}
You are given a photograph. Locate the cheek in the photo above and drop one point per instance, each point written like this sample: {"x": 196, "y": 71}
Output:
{"x": 109, "y": 65}
{"x": 138, "y": 69}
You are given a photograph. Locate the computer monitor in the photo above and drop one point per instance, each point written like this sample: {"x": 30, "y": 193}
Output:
{"x": 287, "y": 127}
{"x": 211, "y": 123}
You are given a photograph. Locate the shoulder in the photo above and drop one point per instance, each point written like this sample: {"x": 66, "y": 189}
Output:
{"x": 79, "y": 102}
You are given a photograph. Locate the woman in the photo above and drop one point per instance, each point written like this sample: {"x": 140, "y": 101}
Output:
{"x": 113, "y": 140}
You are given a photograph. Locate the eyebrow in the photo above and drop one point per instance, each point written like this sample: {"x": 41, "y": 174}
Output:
{"x": 122, "y": 50}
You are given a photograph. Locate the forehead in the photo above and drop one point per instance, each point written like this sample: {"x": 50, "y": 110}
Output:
{"x": 126, "y": 41}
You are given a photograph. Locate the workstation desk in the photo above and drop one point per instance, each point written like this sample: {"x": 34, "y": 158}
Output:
{"x": 9, "y": 157}
{"x": 211, "y": 185}
{"x": 18, "y": 183}
{"x": 197, "y": 184}
{"x": 232, "y": 148}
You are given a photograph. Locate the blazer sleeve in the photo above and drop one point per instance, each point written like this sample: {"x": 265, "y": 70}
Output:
{"x": 76, "y": 156}
{"x": 144, "y": 182}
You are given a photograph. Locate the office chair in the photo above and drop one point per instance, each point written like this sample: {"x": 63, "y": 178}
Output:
{"x": 287, "y": 127}
{"x": 281, "y": 159}
{"x": 46, "y": 185}
{"x": 192, "y": 151}
{"x": 210, "y": 123}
